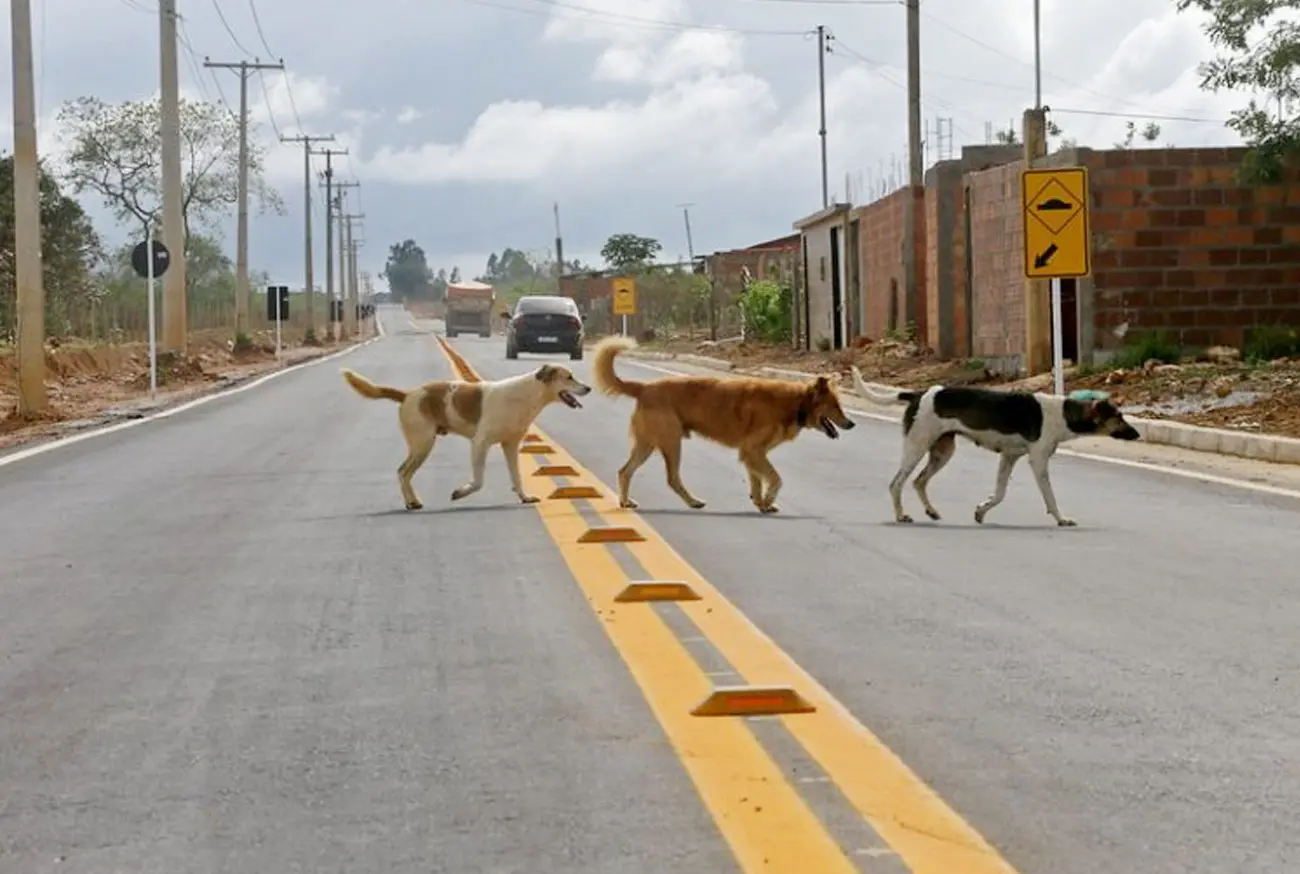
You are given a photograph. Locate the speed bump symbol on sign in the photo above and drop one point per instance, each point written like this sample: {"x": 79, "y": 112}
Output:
{"x": 1058, "y": 232}
{"x": 624, "y": 290}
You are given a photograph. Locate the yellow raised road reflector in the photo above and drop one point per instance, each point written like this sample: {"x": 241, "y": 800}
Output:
{"x": 536, "y": 448}
{"x": 611, "y": 534}
{"x": 574, "y": 492}
{"x": 752, "y": 701}
{"x": 532, "y": 438}
{"x": 555, "y": 470}
{"x": 657, "y": 590}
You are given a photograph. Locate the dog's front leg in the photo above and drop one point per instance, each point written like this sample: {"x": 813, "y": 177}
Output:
{"x": 511, "y": 451}
{"x": 1038, "y": 461}
{"x": 478, "y": 461}
{"x": 1006, "y": 464}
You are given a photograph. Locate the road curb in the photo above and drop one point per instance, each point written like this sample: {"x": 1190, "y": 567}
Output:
{"x": 1215, "y": 441}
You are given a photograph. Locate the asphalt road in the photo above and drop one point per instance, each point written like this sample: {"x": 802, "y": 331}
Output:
{"x": 224, "y": 647}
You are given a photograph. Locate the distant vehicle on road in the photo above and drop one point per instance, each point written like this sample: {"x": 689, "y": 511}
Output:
{"x": 544, "y": 323}
{"x": 469, "y": 308}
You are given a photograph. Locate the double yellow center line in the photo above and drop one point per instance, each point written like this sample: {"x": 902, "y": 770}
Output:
{"x": 761, "y": 814}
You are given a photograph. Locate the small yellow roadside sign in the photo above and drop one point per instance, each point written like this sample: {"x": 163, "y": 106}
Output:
{"x": 624, "y": 296}
{"x": 1058, "y": 233}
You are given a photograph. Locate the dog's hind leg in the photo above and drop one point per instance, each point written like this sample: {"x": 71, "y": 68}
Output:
{"x": 1006, "y": 464}
{"x": 641, "y": 452}
{"x": 913, "y": 452}
{"x": 672, "y": 453}
{"x": 941, "y": 452}
{"x": 1038, "y": 461}
{"x": 478, "y": 451}
{"x": 510, "y": 449}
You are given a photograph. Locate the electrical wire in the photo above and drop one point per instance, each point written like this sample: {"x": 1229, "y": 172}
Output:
{"x": 217, "y": 6}
{"x": 615, "y": 19}
{"x": 288, "y": 86}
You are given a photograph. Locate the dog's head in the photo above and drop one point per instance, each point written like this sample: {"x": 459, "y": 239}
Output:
{"x": 1099, "y": 418}
{"x": 562, "y": 385}
{"x": 821, "y": 409}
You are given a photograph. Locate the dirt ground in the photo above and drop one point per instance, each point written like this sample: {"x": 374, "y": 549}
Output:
{"x": 89, "y": 383}
{"x": 1218, "y": 393}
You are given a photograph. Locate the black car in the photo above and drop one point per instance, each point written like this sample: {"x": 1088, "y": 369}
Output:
{"x": 544, "y": 323}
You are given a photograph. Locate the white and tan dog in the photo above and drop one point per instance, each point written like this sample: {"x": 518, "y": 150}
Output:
{"x": 486, "y": 413}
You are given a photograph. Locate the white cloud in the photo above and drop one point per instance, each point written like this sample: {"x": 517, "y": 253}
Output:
{"x": 408, "y": 114}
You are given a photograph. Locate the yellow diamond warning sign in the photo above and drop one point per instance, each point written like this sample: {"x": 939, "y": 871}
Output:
{"x": 1058, "y": 234}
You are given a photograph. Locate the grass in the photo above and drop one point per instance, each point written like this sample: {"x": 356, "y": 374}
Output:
{"x": 1158, "y": 345}
{"x": 1267, "y": 344}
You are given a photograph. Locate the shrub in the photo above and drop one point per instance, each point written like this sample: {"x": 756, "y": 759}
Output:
{"x": 767, "y": 310}
{"x": 1266, "y": 344}
{"x": 1156, "y": 344}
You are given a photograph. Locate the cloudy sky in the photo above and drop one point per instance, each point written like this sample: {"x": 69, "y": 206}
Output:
{"x": 466, "y": 119}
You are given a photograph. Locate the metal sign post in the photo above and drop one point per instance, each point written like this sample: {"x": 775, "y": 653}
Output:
{"x": 150, "y": 260}
{"x": 624, "y": 292}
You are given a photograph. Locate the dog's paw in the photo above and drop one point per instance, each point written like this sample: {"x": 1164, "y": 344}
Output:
{"x": 980, "y": 513}
{"x": 1066, "y": 523}
{"x": 528, "y": 499}
{"x": 769, "y": 508}
{"x": 695, "y": 505}
{"x": 933, "y": 514}
{"x": 461, "y": 492}
{"x": 904, "y": 519}
{"x": 628, "y": 504}
{"x": 414, "y": 505}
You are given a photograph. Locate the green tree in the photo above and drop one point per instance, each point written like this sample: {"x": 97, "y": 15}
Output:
{"x": 115, "y": 150}
{"x": 1259, "y": 42}
{"x": 70, "y": 252}
{"x": 455, "y": 275}
{"x": 1006, "y": 137}
{"x": 629, "y": 252}
{"x": 407, "y": 271}
{"x": 1149, "y": 133}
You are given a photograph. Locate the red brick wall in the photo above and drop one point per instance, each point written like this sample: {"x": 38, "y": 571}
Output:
{"x": 953, "y": 250}
{"x": 997, "y": 271}
{"x": 880, "y": 249}
{"x": 1180, "y": 245}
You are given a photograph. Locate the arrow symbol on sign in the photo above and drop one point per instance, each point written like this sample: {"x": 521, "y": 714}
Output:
{"x": 1040, "y": 260}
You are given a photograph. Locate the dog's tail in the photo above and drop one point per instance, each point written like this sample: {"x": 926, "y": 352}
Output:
{"x": 879, "y": 397}
{"x": 602, "y": 368}
{"x": 368, "y": 389}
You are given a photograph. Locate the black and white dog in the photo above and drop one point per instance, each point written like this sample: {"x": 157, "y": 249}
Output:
{"x": 1013, "y": 424}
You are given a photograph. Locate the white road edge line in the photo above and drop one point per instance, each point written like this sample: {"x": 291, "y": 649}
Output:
{"x": 48, "y": 446}
{"x": 1215, "y": 479}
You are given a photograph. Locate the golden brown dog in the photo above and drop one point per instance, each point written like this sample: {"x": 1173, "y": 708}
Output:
{"x": 752, "y": 415}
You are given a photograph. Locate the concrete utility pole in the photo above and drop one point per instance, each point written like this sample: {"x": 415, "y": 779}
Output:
{"x": 175, "y": 304}
{"x": 241, "y": 232}
{"x": 822, "y": 50}
{"x": 329, "y": 235}
{"x": 559, "y": 244}
{"x": 308, "y": 280}
{"x": 349, "y": 320}
{"x": 27, "y": 218}
{"x": 1038, "y": 313}
{"x": 353, "y": 297}
{"x": 915, "y": 169}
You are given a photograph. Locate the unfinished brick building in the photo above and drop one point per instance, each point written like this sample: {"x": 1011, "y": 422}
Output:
{"x": 1179, "y": 245}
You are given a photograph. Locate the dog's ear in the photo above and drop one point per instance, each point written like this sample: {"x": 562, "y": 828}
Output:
{"x": 545, "y": 373}
{"x": 822, "y": 386}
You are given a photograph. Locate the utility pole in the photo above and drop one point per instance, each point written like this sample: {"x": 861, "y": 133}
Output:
{"x": 350, "y": 283}
{"x": 915, "y": 175}
{"x": 822, "y": 50}
{"x": 175, "y": 306}
{"x": 686, "y": 214}
{"x": 347, "y": 324}
{"x": 329, "y": 235}
{"x": 241, "y": 232}
{"x": 27, "y": 218}
{"x": 559, "y": 243}
{"x": 308, "y": 280}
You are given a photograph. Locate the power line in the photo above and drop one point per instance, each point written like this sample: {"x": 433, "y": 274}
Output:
{"x": 1140, "y": 116}
{"x": 266, "y": 98}
{"x": 288, "y": 87}
{"x": 217, "y": 6}
{"x": 615, "y": 19}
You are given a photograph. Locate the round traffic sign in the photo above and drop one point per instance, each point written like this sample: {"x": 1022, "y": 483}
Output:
{"x": 162, "y": 259}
